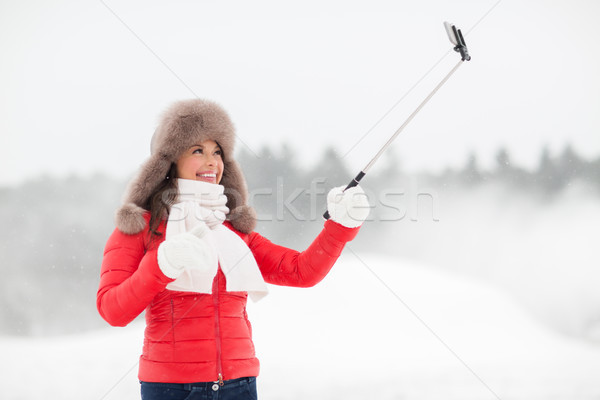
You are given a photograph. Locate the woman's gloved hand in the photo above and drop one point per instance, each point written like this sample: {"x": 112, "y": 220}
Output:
{"x": 186, "y": 250}
{"x": 349, "y": 208}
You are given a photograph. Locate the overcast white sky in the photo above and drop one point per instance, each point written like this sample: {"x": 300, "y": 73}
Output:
{"x": 83, "y": 82}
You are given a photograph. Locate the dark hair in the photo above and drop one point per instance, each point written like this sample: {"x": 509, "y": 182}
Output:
{"x": 160, "y": 201}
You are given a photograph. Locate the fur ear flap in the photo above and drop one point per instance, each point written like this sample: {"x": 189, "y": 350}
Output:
{"x": 241, "y": 216}
{"x": 130, "y": 219}
{"x": 235, "y": 185}
{"x": 243, "y": 219}
{"x": 150, "y": 175}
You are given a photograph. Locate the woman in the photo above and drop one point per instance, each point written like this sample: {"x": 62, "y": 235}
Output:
{"x": 184, "y": 250}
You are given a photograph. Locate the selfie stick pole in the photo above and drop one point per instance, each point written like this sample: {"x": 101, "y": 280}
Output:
{"x": 456, "y": 37}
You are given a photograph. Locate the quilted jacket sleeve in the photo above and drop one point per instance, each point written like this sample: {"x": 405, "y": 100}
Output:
{"x": 130, "y": 278}
{"x": 282, "y": 266}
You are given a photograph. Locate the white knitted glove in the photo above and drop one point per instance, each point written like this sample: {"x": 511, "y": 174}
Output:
{"x": 186, "y": 250}
{"x": 348, "y": 208}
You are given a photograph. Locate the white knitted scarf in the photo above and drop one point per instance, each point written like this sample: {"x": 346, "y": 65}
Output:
{"x": 202, "y": 202}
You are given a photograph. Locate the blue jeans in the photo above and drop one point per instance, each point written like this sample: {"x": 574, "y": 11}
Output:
{"x": 234, "y": 389}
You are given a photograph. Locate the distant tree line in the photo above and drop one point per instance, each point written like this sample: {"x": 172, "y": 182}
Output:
{"x": 551, "y": 176}
{"x": 301, "y": 191}
{"x": 55, "y": 229}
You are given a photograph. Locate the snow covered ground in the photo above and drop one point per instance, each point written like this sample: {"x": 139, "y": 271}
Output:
{"x": 376, "y": 327}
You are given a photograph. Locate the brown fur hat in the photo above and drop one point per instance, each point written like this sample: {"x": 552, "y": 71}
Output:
{"x": 184, "y": 124}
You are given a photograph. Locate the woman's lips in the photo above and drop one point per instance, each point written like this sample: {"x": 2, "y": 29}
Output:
{"x": 210, "y": 177}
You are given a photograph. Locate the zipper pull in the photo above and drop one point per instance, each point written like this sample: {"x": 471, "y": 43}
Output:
{"x": 221, "y": 380}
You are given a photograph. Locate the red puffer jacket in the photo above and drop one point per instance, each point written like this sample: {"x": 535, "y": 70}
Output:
{"x": 194, "y": 337}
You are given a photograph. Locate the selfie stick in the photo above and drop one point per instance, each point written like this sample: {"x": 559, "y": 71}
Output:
{"x": 456, "y": 37}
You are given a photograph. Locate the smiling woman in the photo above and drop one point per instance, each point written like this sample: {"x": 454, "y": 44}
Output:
{"x": 185, "y": 251}
{"x": 203, "y": 162}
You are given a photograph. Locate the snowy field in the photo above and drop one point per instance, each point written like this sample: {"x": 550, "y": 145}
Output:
{"x": 374, "y": 328}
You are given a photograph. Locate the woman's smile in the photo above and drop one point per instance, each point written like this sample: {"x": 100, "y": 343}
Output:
{"x": 202, "y": 162}
{"x": 207, "y": 176}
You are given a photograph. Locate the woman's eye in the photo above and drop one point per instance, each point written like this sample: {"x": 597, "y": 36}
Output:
{"x": 219, "y": 152}
{"x": 197, "y": 151}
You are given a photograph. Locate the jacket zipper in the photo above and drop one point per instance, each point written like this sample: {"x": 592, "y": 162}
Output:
{"x": 218, "y": 332}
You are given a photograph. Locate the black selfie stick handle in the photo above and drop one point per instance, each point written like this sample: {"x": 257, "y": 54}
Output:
{"x": 353, "y": 182}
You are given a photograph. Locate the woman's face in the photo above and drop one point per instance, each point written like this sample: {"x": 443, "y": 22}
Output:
{"x": 201, "y": 162}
